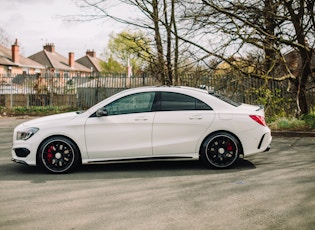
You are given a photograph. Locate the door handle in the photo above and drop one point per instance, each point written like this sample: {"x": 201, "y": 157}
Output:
{"x": 196, "y": 117}
{"x": 141, "y": 119}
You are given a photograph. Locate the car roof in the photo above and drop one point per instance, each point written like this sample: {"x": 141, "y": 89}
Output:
{"x": 180, "y": 89}
{"x": 167, "y": 88}
{"x": 202, "y": 94}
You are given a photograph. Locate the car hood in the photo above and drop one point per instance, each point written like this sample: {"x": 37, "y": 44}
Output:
{"x": 57, "y": 118}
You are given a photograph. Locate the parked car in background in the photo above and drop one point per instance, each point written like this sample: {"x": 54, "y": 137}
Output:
{"x": 147, "y": 123}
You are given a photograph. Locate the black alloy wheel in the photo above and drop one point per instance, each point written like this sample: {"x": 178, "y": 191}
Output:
{"x": 58, "y": 155}
{"x": 220, "y": 150}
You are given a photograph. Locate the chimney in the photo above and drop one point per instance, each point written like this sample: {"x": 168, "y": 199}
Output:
{"x": 71, "y": 59}
{"x": 50, "y": 47}
{"x": 91, "y": 53}
{"x": 15, "y": 52}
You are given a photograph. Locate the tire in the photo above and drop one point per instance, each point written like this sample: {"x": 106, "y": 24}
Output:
{"x": 220, "y": 150}
{"x": 58, "y": 155}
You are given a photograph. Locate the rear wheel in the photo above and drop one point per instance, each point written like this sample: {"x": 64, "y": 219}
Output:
{"x": 58, "y": 155}
{"x": 220, "y": 150}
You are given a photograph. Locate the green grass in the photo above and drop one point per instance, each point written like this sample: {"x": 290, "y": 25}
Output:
{"x": 306, "y": 123}
{"x": 33, "y": 111}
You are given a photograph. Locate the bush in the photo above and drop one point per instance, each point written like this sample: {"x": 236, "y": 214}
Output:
{"x": 34, "y": 111}
{"x": 292, "y": 124}
{"x": 309, "y": 120}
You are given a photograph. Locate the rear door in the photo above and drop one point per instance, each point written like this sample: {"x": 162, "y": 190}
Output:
{"x": 179, "y": 123}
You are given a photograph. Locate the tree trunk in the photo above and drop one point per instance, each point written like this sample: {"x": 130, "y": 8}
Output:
{"x": 302, "y": 101}
{"x": 158, "y": 43}
{"x": 305, "y": 73}
{"x": 176, "y": 52}
{"x": 269, "y": 39}
{"x": 168, "y": 28}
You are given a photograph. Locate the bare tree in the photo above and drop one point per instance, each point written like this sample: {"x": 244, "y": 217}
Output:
{"x": 221, "y": 29}
{"x": 158, "y": 19}
{"x": 269, "y": 27}
{"x": 5, "y": 39}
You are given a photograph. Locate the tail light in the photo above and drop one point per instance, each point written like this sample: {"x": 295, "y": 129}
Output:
{"x": 259, "y": 119}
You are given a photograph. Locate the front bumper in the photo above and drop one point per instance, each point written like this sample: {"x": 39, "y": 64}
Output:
{"x": 21, "y": 152}
{"x": 24, "y": 152}
{"x": 19, "y": 161}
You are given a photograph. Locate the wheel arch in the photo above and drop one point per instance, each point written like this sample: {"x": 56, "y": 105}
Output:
{"x": 54, "y": 136}
{"x": 241, "y": 152}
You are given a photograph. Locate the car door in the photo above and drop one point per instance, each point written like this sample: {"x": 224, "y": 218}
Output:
{"x": 126, "y": 130}
{"x": 179, "y": 123}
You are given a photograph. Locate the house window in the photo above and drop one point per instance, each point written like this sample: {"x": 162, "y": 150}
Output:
{"x": 26, "y": 70}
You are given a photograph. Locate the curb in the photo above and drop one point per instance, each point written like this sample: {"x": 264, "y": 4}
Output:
{"x": 292, "y": 133}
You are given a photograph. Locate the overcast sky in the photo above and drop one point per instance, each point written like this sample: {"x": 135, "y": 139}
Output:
{"x": 37, "y": 22}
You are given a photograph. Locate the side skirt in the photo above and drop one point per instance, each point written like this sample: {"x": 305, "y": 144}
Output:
{"x": 145, "y": 159}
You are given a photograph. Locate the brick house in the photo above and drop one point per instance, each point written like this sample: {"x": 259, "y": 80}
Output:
{"x": 59, "y": 65}
{"x": 91, "y": 61}
{"x": 11, "y": 62}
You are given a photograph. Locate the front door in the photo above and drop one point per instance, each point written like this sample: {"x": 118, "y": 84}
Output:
{"x": 126, "y": 131}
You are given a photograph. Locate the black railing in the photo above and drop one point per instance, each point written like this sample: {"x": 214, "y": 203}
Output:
{"x": 82, "y": 92}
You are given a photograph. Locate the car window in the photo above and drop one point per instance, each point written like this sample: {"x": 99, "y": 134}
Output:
{"x": 135, "y": 103}
{"x": 175, "y": 101}
{"x": 225, "y": 99}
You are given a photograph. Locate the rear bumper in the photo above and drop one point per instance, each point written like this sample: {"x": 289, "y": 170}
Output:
{"x": 256, "y": 141}
{"x": 268, "y": 148}
{"x": 265, "y": 139}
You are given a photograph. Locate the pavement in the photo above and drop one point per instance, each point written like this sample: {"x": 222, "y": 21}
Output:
{"x": 271, "y": 190}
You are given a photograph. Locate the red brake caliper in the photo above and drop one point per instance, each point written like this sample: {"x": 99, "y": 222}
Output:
{"x": 50, "y": 155}
{"x": 229, "y": 147}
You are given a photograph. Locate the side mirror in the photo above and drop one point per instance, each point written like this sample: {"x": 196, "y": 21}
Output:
{"x": 101, "y": 112}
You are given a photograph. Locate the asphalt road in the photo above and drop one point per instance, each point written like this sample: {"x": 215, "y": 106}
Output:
{"x": 271, "y": 190}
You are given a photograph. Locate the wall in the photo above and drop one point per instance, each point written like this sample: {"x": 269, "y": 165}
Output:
{"x": 28, "y": 100}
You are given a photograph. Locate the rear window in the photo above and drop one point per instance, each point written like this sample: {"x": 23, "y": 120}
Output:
{"x": 225, "y": 99}
{"x": 170, "y": 101}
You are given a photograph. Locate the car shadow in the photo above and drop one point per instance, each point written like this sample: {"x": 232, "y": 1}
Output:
{"x": 169, "y": 166}
{"x": 155, "y": 169}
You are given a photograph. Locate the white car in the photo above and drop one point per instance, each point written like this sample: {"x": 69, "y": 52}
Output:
{"x": 147, "y": 123}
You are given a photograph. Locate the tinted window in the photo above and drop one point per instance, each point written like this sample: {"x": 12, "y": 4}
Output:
{"x": 175, "y": 102}
{"x": 225, "y": 99}
{"x": 136, "y": 103}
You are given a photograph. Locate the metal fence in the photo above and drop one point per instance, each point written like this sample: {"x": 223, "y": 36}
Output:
{"x": 79, "y": 93}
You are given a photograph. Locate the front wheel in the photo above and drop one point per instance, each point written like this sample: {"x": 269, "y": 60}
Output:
{"x": 220, "y": 150}
{"x": 58, "y": 155}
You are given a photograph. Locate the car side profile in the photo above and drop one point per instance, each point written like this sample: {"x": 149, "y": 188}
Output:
{"x": 146, "y": 123}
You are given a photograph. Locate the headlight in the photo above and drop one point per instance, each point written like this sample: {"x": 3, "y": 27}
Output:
{"x": 26, "y": 134}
